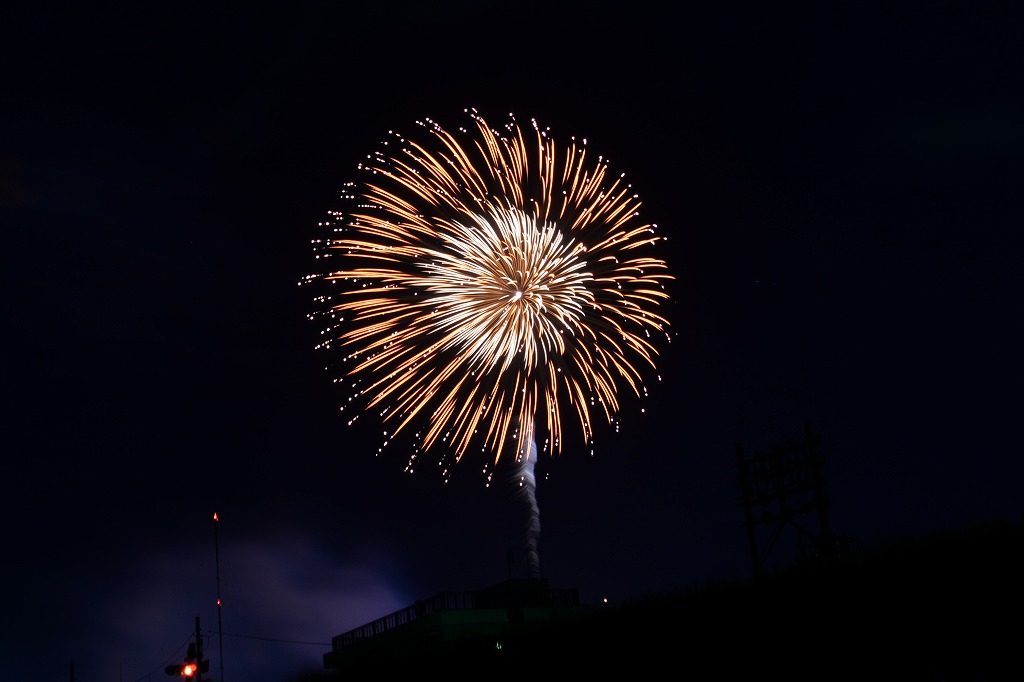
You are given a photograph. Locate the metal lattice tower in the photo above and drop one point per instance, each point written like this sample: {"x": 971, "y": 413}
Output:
{"x": 783, "y": 490}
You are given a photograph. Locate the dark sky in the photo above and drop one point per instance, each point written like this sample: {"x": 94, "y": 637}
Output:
{"x": 841, "y": 189}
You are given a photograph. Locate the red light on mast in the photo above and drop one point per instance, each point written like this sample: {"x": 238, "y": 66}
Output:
{"x": 215, "y": 517}
{"x": 188, "y": 670}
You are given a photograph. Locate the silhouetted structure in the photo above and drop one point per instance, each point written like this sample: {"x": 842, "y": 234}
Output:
{"x": 784, "y": 488}
{"x": 471, "y": 624}
{"x": 941, "y": 607}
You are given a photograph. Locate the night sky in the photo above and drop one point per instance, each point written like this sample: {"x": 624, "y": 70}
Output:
{"x": 841, "y": 190}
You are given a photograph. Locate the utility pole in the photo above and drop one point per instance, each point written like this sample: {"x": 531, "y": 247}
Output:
{"x": 199, "y": 652}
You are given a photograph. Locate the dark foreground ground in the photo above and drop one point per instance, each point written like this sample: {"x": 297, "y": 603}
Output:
{"x": 946, "y": 607}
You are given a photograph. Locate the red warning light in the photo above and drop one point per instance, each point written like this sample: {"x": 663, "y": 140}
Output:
{"x": 215, "y": 517}
{"x": 188, "y": 670}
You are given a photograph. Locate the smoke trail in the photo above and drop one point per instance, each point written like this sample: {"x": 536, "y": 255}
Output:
{"x": 528, "y": 489}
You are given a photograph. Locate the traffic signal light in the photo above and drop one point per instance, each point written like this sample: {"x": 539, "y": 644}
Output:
{"x": 188, "y": 669}
{"x": 191, "y": 667}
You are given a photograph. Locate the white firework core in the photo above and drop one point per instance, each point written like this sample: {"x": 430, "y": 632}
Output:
{"x": 507, "y": 288}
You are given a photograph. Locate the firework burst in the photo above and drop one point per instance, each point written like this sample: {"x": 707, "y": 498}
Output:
{"x": 492, "y": 287}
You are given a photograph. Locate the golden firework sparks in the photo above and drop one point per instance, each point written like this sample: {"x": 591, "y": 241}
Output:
{"x": 494, "y": 284}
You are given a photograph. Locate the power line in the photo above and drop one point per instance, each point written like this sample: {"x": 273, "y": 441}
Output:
{"x": 166, "y": 658}
{"x": 276, "y": 640}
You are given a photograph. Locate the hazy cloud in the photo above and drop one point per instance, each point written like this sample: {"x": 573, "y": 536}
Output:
{"x": 282, "y": 588}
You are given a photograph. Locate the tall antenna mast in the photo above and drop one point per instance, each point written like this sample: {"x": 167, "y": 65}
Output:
{"x": 220, "y": 623}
